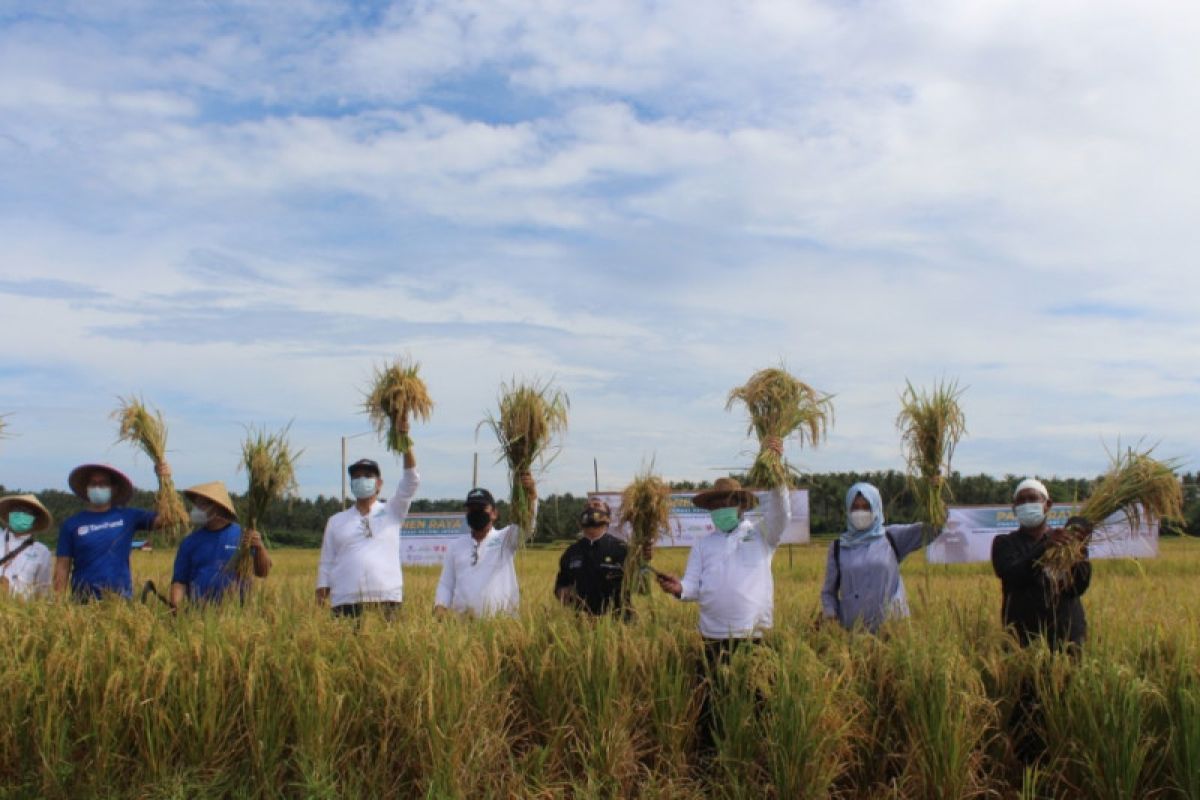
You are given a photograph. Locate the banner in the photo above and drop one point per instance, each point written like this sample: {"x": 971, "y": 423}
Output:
{"x": 425, "y": 537}
{"x": 969, "y": 531}
{"x": 689, "y": 523}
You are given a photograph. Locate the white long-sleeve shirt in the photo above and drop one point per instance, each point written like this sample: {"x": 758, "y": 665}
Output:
{"x": 29, "y": 574}
{"x": 360, "y": 554}
{"x": 729, "y": 574}
{"x": 479, "y": 577}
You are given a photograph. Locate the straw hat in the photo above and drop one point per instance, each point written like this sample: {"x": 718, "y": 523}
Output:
{"x": 27, "y": 502}
{"x": 122, "y": 486}
{"x": 214, "y": 492}
{"x": 722, "y": 491}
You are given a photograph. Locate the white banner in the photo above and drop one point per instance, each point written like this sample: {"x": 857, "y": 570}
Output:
{"x": 689, "y": 523}
{"x": 969, "y": 531}
{"x": 425, "y": 537}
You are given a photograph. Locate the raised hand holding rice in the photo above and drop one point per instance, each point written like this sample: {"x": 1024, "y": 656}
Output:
{"x": 779, "y": 406}
{"x": 396, "y": 397}
{"x": 147, "y": 430}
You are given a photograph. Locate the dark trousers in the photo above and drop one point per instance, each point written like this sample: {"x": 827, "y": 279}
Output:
{"x": 711, "y": 678}
{"x": 388, "y": 610}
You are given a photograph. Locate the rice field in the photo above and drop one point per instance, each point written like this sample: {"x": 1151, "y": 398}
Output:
{"x": 275, "y": 699}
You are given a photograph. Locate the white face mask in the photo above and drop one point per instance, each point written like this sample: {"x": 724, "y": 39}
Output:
{"x": 99, "y": 495}
{"x": 1031, "y": 515}
{"x": 861, "y": 520}
{"x": 362, "y": 488}
{"x": 199, "y": 516}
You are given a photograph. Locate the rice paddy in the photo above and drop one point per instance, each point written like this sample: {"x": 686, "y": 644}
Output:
{"x": 147, "y": 430}
{"x": 276, "y": 699}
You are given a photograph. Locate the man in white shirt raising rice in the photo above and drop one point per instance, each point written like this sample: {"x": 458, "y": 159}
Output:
{"x": 360, "y": 552}
{"x": 478, "y": 575}
{"x": 728, "y": 574}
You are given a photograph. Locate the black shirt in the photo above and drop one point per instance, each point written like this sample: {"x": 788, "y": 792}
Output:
{"x": 1031, "y": 606}
{"x": 594, "y": 570}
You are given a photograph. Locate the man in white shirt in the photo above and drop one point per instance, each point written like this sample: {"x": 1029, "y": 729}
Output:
{"x": 360, "y": 552}
{"x": 26, "y": 566}
{"x": 478, "y": 575}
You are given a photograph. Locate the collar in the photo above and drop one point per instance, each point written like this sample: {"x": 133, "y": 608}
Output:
{"x": 15, "y": 539}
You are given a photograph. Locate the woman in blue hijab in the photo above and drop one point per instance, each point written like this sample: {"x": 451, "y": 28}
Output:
{"x": 862, "y": 574}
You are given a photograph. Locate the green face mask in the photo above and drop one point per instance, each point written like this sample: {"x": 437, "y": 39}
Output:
{"x": 726, "y": 519}
{"x": 20, "y": 521}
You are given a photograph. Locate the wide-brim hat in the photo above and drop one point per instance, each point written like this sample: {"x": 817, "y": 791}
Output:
{"x": 214, "y": 492}
{"x": 723, "y": 490}
{"x": 122, "y": 486}
{"x": 43, "y": 519}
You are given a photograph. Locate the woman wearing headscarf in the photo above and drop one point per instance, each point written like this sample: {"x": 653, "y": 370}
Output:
{"x": 862, "y": 574}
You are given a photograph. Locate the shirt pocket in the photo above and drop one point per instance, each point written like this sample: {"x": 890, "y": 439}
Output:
{"x": 749, "y": 553}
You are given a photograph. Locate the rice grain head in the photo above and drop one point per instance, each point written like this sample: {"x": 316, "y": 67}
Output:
{"x": 931, "y": 424}
{"x": 646, "y": 509}
{"x": 397, "y": 391}
{"x": 780, "y": 406}
{"x": 270, "y": 465}
{"x": 147, "y": 430}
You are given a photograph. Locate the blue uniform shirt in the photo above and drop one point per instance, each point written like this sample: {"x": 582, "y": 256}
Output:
{"x": 202, "y": 562}
{"x": 98, "y": 544}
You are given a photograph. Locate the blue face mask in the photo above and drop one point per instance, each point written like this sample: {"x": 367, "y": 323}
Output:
{"x": 20, "y": 521}
{"x": 725, "y": 519}
{"x": 99, "y": 495}
{"x": 362, "y": 488}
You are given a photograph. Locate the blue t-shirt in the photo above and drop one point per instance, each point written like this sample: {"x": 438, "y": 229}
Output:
{"x": 202, "y": 562}
{"x": 98, "y": 544}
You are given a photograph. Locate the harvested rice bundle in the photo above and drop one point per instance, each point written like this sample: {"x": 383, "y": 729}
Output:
{"x": 931, "y": 423}
{"x": 646, "y": 509}
{"x": 270, "y": 465}
{"x": 147, "y": 430}
{"x": 779, "y": 405}
{"x": 531, "y": 416}
{"x": 1137, "y": 485}
{"x": 397, "y": 393}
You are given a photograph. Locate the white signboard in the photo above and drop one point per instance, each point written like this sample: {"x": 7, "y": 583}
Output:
{"x": 969, "y": 531}
{"x": 689, "y": 523}
{"x": 425, "y": 537}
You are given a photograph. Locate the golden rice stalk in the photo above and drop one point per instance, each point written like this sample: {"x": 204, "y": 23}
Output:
{"x": 779, "y": 406}
{"x": 1139, "y": 486}
{"x": 147, "y": 430}
{"x": 931, "y": 424}
{"x": 270, "y": 466}
{"x": 397, "y": 393}
{"x": 646, "y": 509}
{"x": 532, "y": 415}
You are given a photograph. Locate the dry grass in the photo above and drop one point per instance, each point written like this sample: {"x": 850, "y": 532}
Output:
{"x": 780, "y": 405}
{"x": 931, "y": 424}
{"x": 397, "y": 395}
{"x": 531, "y": 418}
{"x": 646, "y": 509}
{"x": 147, "y": 430}
{"x": 270, "y": 465}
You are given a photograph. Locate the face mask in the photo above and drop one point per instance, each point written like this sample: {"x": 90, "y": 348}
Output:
{"x": 725, "y": 519}
{"x": 478, "y": 519}
{"x": 362, "y": 488}
{"x": 199, "y": 516}
{"x": 20, "y": 522}
{"x": 1031, "y": 515}
{"x": 593, "y": 518}
{"x": 861, "y": 520}
{"x": 99, "y": 495}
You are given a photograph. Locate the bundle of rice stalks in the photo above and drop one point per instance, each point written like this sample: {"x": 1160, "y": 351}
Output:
{"x": 780, "y": 405}
{"x": 931, "y": 423}
{"x": 646, "y": 509}
{"x": 147, "y": 430}
{"x": 397, "y": 393}
{"x": 270, "y": 465}
{"x": 531, "y": 416}
{"x": 1138, "y": 485}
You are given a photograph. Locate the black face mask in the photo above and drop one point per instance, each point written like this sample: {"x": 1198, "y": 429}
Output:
{"x": 593, "y": 518}
{"x": 478, "y": 519}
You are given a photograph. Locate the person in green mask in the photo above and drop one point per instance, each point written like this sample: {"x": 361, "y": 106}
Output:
{"x": 26, "y": 566}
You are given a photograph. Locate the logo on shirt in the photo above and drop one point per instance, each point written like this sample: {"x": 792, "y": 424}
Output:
{"x": 84, "y": 530}
{"x": 576, "y": 564}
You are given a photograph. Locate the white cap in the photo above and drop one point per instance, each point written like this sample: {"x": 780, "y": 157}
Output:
{"x": 1031, "y": 483}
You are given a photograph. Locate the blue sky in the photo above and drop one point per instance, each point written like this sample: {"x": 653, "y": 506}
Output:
{"x": 237, "y": 209}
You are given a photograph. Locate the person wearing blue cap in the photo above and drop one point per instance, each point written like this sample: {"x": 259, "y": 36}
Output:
{"x": 862, "y": 585}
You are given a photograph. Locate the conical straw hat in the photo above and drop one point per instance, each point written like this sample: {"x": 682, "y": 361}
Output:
{"x": 214, "y": 492}
{"x": 121, "y": 485}
{"x": 27, "y": 502}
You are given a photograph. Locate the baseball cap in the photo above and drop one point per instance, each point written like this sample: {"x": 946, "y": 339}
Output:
{"x": 480, "y": 497}
{"x": 365, "y": 464}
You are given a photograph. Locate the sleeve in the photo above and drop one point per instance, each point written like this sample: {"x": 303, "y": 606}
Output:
{"x": 691, "y": 574}
{"x": 513, "y": 535}
{"x": 144, "y": 520}
{"x": 829, "y": 590}
{"x": 66, "y": 541}
{"x": 776, "y": 516}
{"x": 1081, "y": 578}
{"x": 406, "y": 488}
{"x": 183, "y": 564}
{"x": 908, "y": 538}
{"x": 325, "y": 564}
{"x": 445, "y": 588}
{"x": 563, "y": 579}
{"x": 1011, "y": 564}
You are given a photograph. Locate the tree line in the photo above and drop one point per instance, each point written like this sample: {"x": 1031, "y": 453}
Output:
{"x": 299, "y": 522}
